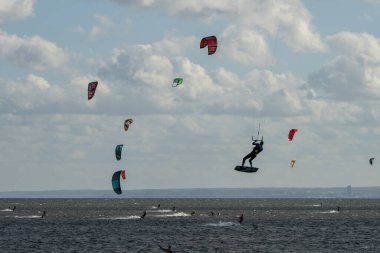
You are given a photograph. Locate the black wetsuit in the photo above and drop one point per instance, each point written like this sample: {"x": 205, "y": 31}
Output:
{"x": 143, "y": 215}
{"x": 241, "y": 219}
{"x": 256, "y": 150}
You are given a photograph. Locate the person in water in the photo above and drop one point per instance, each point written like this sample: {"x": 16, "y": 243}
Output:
{"x": 192, "y": 213}
{"x": 158, "y": 206}
{"x": 173, "y": 209}
{"x": 14, "y": 208}
{"x": 43, "y": 214}
{"x": 256, "y": 150}
{"x": 241, "y": 218}
{"x": 168, "y": 250}
{"x": 143, "y": 215}
{"x": 212, "y": 213}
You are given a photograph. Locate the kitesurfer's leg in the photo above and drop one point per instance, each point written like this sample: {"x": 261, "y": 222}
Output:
{"x": 245, "y": 158}
{"x": 250, "y": 160}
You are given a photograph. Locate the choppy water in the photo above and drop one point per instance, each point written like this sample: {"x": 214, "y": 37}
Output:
{"x": 114, "y": 225}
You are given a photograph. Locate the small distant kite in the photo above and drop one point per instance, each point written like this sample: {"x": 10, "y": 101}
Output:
{"x": 371, "y": 160}
{"x": 292, "y": 162}
{"x": 127, "y": 122}
{"x": 116, "y": 180}
{"x": 91, "y": 89}
{"x": 177, "y": 81}
{"x": 211, "y": 42}
{"x": 292, "y": 133}
{"x": 118, "y": 150}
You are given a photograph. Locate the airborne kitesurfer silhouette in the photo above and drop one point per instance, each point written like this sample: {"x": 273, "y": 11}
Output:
{"x": 258, "y": 147}
{"x": 256, "y": 150}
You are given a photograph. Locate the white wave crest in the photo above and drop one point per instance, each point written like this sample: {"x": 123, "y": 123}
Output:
{"x": 29, "y": 217}
{"x": 162, "y": 211}
{"x": 223, "y": 224}
{"x": 131, "y": 217}
{"x": 331, "y": 211}
{"x": 179, "y": 214}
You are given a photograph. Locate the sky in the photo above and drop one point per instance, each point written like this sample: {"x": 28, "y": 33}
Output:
{"x": 281, "y": 64}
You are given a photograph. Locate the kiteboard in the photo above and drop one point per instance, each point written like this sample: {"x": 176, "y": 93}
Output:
{"x": 246, "y": 169}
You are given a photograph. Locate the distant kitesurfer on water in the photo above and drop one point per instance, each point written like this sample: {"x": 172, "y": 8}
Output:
{"x": 173, "y": 209}
{"x": 43, "y": 214}
{"x": 192, "y": 213}
{"x": 338, "y": 208}
{"x": 143, "y": 215}
{"x": 212, "y": 213}
{"x": 168, "y": 250}
{"x": 256, "y": 150}
{"x": 158, "y": 206}
{"x": 241, "y": 218}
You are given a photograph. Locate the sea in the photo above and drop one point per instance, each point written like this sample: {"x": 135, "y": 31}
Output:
{"x": 190, "y": 225}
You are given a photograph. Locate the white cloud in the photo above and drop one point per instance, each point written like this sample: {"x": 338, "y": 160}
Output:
{"x": 32, "y": 52}
{"x": 15, "y": 9}
{"x": 29, "y": 94}
{"x": 144, "y": 73}
{"x": 288, "y": 20}
{"x": 104, "y": 23}
{"x": 35, "y": 95}
{"x": 354, "y": 73}
{"x": 246, "y": 46}
{"x": 362, "y": 47}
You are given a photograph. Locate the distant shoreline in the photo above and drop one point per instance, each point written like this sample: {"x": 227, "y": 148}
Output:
{"x": 283, "y": 192}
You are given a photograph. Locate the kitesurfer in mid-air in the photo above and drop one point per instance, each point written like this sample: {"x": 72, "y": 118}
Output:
{"x": 256, "y": 150}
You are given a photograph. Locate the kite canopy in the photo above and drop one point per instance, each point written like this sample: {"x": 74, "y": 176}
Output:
{"x": 127, "y": 122}
{"x": 177, "y": 81}
{"x": 91, "y": 89}
{"x": 116, "y": 180}
{"x": 371, "y": 160}
{"x": 292, "y": 162}
{"x": 211, "y": 42}
{"x": 292, "y": 133}
{"x": 118, "y": 150}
